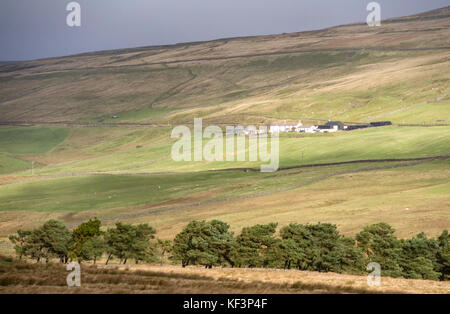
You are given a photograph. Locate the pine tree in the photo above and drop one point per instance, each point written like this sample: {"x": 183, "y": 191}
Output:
{"x": 93, "y": 249}
{"x": 129, "y": 242}
{"x": 252, "y": 246}
{"x": 203, "y": 243}
{"x": 320, "y": 247}
{"x": 21, "y": 242}
{"x": 80, "y": 236}
{"x": 443, "y": 256}
{"x": 419, "y": 258}
{"x": 380, "y": 245}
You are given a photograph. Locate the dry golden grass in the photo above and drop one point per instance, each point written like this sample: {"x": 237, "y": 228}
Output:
{"x": 17, "y": 277}
{"x": 335, "y": 282}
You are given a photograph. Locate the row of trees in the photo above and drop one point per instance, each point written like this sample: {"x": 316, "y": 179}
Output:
{"x": 315, "y": 247}
{"x": 87, "y": 242}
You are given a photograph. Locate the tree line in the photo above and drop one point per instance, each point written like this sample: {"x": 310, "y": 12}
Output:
{"x": 314, "y": 247}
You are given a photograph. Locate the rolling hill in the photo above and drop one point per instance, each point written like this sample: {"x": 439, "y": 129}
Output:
{"x": 64, "y": 156}
{"x": 351, "y": 73}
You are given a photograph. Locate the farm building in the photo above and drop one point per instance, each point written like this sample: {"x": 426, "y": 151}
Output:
{"x": 357, "y": 126}
{"x": 331, "y": 125}
{"x": 281, "y": 128}
{"x": 370, "y": 125}
{"x": 303, "y": 129}
{"x": 382, "y": 123}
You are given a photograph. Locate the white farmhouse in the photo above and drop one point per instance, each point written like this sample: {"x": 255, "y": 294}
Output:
{"x": 331, "y": 130}
{"x": 282, "y": 128}
{"x": 311, "y": 129}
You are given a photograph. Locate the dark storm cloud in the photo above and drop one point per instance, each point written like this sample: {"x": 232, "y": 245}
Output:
{"x": 37, "y": 28}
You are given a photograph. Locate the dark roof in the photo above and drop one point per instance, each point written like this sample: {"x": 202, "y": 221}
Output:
{"x": 381, "y": 123}
{"x": 332, "y": 124}
{"x": 358, "y": 126}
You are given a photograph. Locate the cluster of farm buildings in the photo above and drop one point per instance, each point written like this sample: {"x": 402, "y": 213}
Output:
{"x": 329, "y": 127}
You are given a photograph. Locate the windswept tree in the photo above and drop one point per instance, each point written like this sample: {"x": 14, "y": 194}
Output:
{"x": 80, "y": 236}
{"x": 331, "y": 251}
{"x": 283, "y": 253}
{"x": 93, "y": 249}
{"x": 380, "y": 245}
{"x": 55, "y": 238}
{"x": 130, "y": 242}
{"x": 31, "y": 244}
{"x": 297, "y": 239}
{"x": 252, "y": 247}
{"x": 203, "y": 243}
{"x": 51, "y": 240}
{"x": 419, "y": 258}
{"x": 142, "y": 249}
{"x": 21, "y": 242}
{"x": 351, "y": 258}
{"x": 443, "y": 256}
{"x": 320, "y": 247}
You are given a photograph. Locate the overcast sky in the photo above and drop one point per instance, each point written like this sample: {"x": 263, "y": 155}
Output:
{"x": 31, "y": 29}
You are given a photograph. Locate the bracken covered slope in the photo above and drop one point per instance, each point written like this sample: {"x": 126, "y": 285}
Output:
{"x": 398, "y": 71}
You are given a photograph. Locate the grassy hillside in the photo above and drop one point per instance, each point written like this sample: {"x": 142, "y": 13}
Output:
{"x": 30, "y": 140}
{"x": 348, "y": 195}
{"x": 10, "y": 164}
{"x": 135, "y": 150}
{"x": 353, "y": 73}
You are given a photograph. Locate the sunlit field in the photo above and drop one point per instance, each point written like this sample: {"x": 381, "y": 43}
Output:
{"x": 104, "y": 149}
